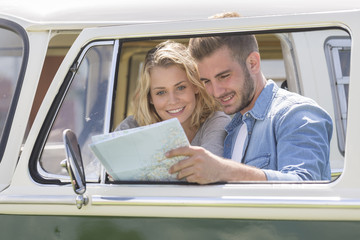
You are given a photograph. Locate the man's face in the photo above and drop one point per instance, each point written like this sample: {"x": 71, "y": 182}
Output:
{"x": 227, "y": 81}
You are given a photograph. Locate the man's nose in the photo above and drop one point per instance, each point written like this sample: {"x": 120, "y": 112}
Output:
{"x": 217, "y": 90}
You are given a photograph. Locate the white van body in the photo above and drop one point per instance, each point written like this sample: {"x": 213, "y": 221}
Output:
{"x": 306, "y": 43}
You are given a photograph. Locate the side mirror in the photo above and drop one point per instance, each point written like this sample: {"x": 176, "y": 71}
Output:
{"x": 74, "y": 166}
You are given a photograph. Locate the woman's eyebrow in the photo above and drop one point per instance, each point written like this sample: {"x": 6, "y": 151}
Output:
{"x": 154, "y": 88}
{"x": 177, "y": 84}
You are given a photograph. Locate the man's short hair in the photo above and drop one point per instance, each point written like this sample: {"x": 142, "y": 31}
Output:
{"x": 239, "y": 45}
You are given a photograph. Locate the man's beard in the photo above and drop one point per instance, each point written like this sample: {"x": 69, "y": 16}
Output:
{"x": 248, "y": 93}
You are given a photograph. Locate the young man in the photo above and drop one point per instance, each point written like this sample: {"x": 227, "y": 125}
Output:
{"x": 274, "y": 135}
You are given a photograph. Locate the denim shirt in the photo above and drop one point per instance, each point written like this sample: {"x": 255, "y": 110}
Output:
{"x": 288, "y": 136}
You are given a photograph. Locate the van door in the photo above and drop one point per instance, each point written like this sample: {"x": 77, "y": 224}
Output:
{"x": 89, "y": 90}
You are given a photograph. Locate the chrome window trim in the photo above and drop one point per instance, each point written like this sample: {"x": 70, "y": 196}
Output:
{"x": 109, "y": 99}
{"x": 110, "y": 89}
{"x": 38, "y": 199}
{"x": 231, "y": 201}
{"x": 90, "y": 45}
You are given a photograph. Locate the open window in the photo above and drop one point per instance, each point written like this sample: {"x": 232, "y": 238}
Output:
{"x": 98, "y": 90}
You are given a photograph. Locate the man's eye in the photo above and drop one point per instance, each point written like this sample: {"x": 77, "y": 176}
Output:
{"x": 225, "y": 76}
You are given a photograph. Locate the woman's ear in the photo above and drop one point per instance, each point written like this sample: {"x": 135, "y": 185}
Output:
{"x": 150, "y": 100}
{"x": 253, "y": 62}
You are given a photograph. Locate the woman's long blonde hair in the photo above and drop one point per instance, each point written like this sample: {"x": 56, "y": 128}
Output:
{"x": 167, "y": 54}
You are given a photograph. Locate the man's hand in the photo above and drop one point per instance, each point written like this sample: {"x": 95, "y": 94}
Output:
{"x": 203, "y": 167}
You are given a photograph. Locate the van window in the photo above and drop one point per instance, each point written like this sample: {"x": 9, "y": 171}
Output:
{"x": 100, "y": 94}
{"x": 338, "y": 52}
{"x": 13, "y": 57}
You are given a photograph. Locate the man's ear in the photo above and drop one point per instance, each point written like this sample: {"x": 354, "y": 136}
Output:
{"x": 253, "y": 62}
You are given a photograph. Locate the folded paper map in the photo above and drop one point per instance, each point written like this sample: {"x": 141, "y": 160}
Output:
{"x": 139, "y": 153}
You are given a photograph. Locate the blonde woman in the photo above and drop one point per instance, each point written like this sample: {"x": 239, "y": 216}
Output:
{"x": 170, "y": 87}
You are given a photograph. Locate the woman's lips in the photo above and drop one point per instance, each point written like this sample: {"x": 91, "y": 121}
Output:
{"x": 176, "y": 111}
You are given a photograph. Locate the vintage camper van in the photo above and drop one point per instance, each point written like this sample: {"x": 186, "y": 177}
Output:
{"x": 75, "y": 64}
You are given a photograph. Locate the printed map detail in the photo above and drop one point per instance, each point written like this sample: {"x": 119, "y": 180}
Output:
{"x": 139, "y": 154}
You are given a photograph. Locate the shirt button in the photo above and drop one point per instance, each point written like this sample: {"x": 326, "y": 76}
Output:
{"x": 247, "y": 115}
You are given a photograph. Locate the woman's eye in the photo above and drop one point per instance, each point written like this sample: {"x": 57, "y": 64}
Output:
{"x": 160, "y": 93}
{"x": 181, "y": 87}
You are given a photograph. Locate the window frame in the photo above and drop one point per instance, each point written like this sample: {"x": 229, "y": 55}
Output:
{"x": 35, "y": 169}
{"x": 16, "y": 28}
{"x": 188, "y": 35}
{"x": 332, "y": 47}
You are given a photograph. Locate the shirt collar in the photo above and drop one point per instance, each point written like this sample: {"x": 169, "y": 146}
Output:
{"x": 263, "y": 102}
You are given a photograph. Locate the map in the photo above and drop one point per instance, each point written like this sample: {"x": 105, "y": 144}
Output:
{"x": 138, "y": 154}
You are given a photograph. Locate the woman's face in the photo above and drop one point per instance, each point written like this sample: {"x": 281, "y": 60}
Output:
{"x": 172, "y": 94}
